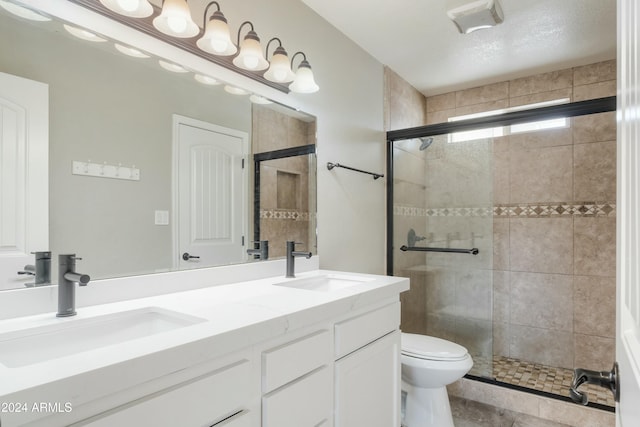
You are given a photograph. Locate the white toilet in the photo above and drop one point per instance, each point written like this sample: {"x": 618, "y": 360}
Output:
{"x": 428, "y": 365}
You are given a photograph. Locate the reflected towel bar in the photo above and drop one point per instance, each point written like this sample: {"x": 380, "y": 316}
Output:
{"x": 472, "y": 251}
{"x": 338, "y": 165}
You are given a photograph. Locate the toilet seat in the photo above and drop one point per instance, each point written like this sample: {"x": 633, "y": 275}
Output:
{"x": 431, "y": 348}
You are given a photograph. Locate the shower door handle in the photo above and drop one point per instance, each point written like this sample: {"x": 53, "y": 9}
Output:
{"x": 606, "y": 379}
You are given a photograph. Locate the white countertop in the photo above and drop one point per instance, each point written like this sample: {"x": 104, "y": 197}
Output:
{"x": 234, "y": 316}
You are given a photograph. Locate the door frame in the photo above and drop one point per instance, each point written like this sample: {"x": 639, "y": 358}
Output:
{"x": 178, "y": 120}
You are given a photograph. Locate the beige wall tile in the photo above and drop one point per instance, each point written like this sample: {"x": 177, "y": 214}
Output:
{"x": 595, "y": 171}
{"x": 546, "y": 346}
{"x": 440, "y": 116}
{"x": 547, "y": 138}
{"x": 414, "y": 304}
{"x": 501, "y": 177}
{"x": 482, "y": 107}
{"x": 541, "y": 83}
{"x": 407, "y": 106}
{"x": 595, "y": 353}
{"x": 594, "y": 128}
{"x": 542, "y": 300}
{"x": 501, "y": 339}
{"x": 594, "y": 90}
{"x": 543, "y": 245}
{"x": 478, "y": 95}
{"x": 541, "y": 175}
{"x": 501, "y": 296}
{"x": 474, "y": 293}
{"x": 542, "y": 97}
{"x": 593, "y": 73}
{"x": 501, "y": 244}
{"x": 595, "y": 246}
{"x": 445, "y": 101}
{"x": 594, "y": 305}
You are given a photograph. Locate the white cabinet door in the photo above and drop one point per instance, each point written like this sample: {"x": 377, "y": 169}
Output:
{"x": 368, "y": 385}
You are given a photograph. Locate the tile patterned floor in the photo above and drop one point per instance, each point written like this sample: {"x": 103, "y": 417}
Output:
{"x": 537, "y": 377}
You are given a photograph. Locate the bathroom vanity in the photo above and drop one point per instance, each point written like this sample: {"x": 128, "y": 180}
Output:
{"x": 321, "y": 349}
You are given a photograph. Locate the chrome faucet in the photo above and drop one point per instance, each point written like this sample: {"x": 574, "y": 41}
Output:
{"x": 291, "y": 256}
{"x": 262, "y": 252}
{"x": 41, "y": 270}
{"x": 67, "y": 278}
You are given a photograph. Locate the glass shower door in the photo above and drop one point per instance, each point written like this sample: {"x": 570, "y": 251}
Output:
{"x": 443, "y": 200}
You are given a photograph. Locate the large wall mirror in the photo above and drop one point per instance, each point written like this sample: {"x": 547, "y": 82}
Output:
{"x": 126, "y": 184}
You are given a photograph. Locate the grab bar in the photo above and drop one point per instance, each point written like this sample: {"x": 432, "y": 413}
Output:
{"x": 472, "y": 251}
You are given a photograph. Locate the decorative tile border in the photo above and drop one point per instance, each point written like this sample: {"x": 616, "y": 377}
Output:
{"x": 533, "y": 210}
{"x": 284, "y": 214}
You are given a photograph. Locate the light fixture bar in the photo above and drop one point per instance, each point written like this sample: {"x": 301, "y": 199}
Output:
{"x": 145, "y": 25}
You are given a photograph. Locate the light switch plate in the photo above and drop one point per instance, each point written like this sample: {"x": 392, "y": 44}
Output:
{"x": 162, "y": 218}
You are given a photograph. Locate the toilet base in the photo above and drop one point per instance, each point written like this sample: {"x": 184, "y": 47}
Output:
{"x": 426, "y": 407}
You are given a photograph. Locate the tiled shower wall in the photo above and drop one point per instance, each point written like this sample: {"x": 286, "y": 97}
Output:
{"x": 287, "y": 191}
{"x": 553, "y": 218}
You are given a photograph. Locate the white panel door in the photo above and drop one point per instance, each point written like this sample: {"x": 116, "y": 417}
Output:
{"x": 211, "y": 216}
{"x": 24, "y": 171}
{"x": 628, "y": 234}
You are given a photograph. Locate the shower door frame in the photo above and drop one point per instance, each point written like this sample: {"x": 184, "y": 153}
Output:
{"x": 572, "y": 109}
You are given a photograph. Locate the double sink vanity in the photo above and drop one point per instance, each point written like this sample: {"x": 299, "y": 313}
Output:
{"x": 320, "y": 349}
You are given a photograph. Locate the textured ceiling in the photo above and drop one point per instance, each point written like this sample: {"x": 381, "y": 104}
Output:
{"x": 416, "y": 39}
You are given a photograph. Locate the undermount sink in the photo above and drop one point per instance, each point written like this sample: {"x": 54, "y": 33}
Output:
{"x": 325, "y": 282}
{"x": 40, "y": 344}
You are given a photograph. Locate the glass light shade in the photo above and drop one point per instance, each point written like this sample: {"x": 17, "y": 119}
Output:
{"x": 250, "y": 56}
{"x": 175, "y": 68}
{"x": 23, "y": 12}
{"x": 206, "y": 80}
{"x": 304, "y": 82}
{"x": 217, "y": 38}
{"x": 130, "y": 51}
{"x": 235, "y": 90}
{"x": 132, "y": 8}
{"x": 83, "y": 34}
{"x": 280, "y": 70}
{"x": 175, "y": 20}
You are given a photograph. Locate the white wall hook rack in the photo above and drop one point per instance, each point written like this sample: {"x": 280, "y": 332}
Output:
{"x": 104, "y": 170}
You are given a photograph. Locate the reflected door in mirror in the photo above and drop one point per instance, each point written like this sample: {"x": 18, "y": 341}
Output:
{"x": 212, "y": 198}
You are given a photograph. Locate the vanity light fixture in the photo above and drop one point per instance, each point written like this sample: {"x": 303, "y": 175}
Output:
{"x": 217, "y": 37}
{"x": 175, "y": 20}
{"x": 304, "y": 81}
{"x": 132, "y": 8}
{"x": 206, "y": 80}
{"x": 279, "y": 68}
{"x": 171, "y": 23}
{"x": 170, "y": 66}
{"x": 130, "y": 51}
{"x": 83, "y": 34}
{"x": 250, "y": 56}
{"x": 23, "y": 12}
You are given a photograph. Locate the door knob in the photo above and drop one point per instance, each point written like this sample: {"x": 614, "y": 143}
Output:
{"x": 187, "y": 257}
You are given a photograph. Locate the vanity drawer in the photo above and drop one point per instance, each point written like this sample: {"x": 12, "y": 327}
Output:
{"x": 294, "y": 359}
{"x": 201, "y": 401}
{"x": 359, "y": 331}
{"x": 307, "y": 402}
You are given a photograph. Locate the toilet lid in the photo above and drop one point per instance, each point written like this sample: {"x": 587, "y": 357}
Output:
{"x": 431, "y": 348}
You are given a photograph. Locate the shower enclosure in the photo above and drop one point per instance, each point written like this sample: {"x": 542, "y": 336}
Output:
{"x": 498, "y": 222}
